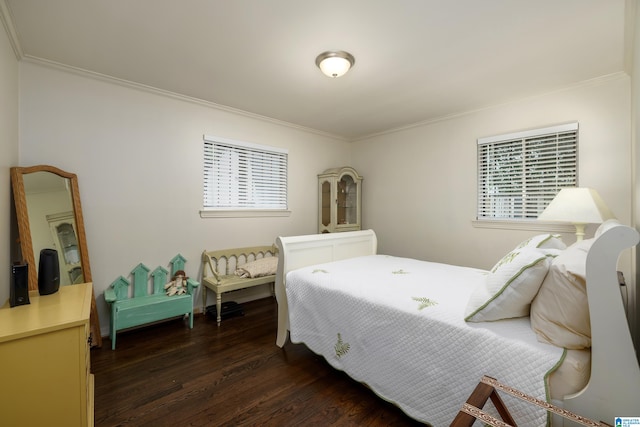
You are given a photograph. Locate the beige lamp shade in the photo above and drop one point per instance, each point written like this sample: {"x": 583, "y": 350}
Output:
{"x": 579, "y": 206}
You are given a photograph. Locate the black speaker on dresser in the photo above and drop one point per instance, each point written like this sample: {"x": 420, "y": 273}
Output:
{"x": 19, "y": 291}
{"x": 48, "y": 272}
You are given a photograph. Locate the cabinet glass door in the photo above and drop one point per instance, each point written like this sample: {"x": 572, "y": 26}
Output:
{"x": 68, "y": 243}
{"x": 326, "y": 204}
{"x": 65, "y": 241}
{"x": 347, "y": 201}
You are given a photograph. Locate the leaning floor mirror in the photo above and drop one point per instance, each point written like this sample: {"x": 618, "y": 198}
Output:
{"x": 49, "y": 216}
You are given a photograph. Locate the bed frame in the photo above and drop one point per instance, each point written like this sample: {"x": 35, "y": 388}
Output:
{"x": 613, "y": 389}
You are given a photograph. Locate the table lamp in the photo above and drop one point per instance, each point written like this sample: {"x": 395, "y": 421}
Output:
{"x": 579, "y": 206}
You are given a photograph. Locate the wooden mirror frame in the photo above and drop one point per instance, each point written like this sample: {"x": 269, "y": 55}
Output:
{"x": 26, "y": 243}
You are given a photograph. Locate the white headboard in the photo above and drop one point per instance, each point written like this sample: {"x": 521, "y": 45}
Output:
{"x": 614, "y": 386}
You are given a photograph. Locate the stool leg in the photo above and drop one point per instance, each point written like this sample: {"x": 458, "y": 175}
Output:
{"x": 478, "y": 398}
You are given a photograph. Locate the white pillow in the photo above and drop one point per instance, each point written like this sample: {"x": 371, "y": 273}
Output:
{"x": 510, "y": 286}
{"x": 560, "y": 311}
{"x": 543, "y": 241}
{"x": 266, "y": 266}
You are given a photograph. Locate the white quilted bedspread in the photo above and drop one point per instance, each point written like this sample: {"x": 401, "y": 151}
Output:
{"x": 397, "y": 325}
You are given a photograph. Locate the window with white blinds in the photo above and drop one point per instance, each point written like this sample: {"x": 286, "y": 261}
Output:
{"x": 520, "y": 173}
{"x": 243, "y": 176}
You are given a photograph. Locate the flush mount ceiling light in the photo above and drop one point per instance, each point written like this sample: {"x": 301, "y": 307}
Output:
{"x": 335, "y": 64}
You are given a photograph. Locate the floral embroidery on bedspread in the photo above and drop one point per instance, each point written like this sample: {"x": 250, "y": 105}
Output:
{"x": 341, "y": 347}
{"x": 367, "y": 300}
{"x": 424, "y": 302}
{"x": 505, "y": 260}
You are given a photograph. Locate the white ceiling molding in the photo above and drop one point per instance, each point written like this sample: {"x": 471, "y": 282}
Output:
{"x": 7, "y": 22}
{"x": 173, "y": 95}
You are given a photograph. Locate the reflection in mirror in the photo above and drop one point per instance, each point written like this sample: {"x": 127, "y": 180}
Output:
{"x": 51, "y": 221}
{"x": 49, "y": 216}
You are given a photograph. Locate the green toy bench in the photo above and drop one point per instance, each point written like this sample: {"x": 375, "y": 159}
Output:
{"x": 142, "y": 307}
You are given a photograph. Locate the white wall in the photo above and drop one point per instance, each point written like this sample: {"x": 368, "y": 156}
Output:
{"x": 426, "y": 211}
{"x": 138, "y": 157}
{"x": 635, "y": 129}
{"x": 9, "y": 153}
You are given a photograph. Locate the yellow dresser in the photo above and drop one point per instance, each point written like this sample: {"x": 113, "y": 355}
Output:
{"x": 44, "y": 360}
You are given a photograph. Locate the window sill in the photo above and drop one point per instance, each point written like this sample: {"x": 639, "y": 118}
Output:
{"x": 541, "y": 226}
{"x": 235, "y": 213}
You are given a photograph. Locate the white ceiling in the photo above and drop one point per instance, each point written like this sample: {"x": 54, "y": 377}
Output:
{"x": 416, "y": 60}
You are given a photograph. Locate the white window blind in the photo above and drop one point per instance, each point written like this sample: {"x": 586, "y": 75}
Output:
{"x": 243, "y": 176}
{"x": 520, "y": 173}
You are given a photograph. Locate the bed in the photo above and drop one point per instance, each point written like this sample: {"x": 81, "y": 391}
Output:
{"x": 425, "y": 336}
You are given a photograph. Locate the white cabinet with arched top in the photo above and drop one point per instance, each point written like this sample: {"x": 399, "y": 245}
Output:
{"x": 339, "y": 200}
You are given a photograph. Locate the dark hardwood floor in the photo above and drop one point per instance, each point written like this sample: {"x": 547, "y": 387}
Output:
{"x": 233, "y": 375}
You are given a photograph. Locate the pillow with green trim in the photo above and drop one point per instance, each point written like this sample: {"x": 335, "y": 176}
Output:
{"x": 560, "y": 311}
{"x": 510, "y": 286}
{"x": 543, "y": 241}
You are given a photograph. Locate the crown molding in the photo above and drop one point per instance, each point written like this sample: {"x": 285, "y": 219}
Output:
{"x": 161, "y": 92}
{"x": 585, "y": 83}
{"x": 7, "y": 22}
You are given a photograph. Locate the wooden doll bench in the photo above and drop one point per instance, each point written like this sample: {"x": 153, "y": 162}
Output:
{"x": 143, "y": 307}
